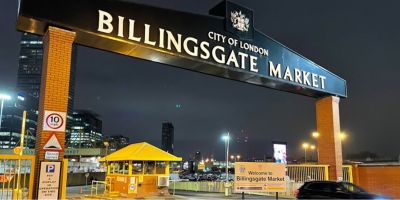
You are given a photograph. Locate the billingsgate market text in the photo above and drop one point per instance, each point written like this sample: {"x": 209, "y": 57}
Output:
{"x": 203, "y": 50}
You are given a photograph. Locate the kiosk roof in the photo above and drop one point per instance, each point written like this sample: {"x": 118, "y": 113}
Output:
{"x": 141, "y": 152}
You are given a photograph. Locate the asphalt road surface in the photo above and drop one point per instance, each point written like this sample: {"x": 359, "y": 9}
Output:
{"x": 205, "y": 195}
{"x": 75, "y": 193}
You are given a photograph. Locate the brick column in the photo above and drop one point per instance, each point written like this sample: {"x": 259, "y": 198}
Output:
{"x": 329, "y": 144}
{"x": 57, "y": 44}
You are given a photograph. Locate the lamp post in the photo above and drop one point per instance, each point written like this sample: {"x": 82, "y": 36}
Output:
{"x": 315, "y": 135}
{"x": 3, "y": 97}
{"x": 235, "y": 158}
{"x": 226, "y": 139}
{"x": 106, "y": 144}
{"x": 312, "y": 147}
{"x": 305, "y": 147}
{"x": 343, "y": 136}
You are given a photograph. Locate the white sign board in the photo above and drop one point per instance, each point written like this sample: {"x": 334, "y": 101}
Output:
{"x": 49, "y": 180}
{"x": 51, "y": 155}
{"x": 53, "y": 144}
{"x": 54, "y": 121}
{"x": 259, "y": 177}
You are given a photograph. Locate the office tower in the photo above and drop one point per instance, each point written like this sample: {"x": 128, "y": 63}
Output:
{"x": 86, "y": 130}
{"x": 167, "y": 138}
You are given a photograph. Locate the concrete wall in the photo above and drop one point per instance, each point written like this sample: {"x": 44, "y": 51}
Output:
{"x": 77, "y": 179}
{"x": 379, "y": 179}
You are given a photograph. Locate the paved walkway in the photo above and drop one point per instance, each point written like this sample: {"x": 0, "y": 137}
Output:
{"x": 76, "y": 193}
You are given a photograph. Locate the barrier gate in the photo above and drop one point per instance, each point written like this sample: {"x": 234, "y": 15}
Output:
{"x": 10, "y": 186}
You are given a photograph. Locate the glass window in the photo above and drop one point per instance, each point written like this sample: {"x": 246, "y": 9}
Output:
{"x": 125, "y": 169}
{"x": 353, "y": 188}
{"x": 149, "y": 167}
{"x": 118, "y": 168}
{"x": 160, "y": 167}
{"x": 137, "y": 167}
{"x": 112, "y": 168}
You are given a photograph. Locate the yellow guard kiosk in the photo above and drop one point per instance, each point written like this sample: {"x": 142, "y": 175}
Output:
{"x": 138, "y": 170}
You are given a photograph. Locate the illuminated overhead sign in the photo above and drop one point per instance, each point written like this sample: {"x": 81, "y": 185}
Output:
{"x": 223, "y": 44}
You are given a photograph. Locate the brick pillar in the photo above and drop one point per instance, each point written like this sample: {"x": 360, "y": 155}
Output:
{"x": 329, "y": 144}
{"x": 57, "y": 44}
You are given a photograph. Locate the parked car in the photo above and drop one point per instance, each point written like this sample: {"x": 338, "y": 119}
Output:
{"x": 334, "y": 190}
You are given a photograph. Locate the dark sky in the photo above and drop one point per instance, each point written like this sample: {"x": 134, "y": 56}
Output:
{"x": 358, "y": 40}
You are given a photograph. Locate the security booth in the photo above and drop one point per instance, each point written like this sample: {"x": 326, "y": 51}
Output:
{"x": 138, "y": 170}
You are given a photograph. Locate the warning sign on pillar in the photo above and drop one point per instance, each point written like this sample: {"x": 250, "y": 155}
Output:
{"x": 53, "y": 144}
{"x": 54, "y": 121}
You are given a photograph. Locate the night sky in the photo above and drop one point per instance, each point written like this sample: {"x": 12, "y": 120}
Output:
{"x": 358, "y": 40}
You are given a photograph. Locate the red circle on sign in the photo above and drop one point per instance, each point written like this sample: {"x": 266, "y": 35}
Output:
{"x": 52, "y": 126}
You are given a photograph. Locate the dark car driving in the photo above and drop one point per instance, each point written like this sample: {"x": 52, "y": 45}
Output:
{"x": 333, "y": 190}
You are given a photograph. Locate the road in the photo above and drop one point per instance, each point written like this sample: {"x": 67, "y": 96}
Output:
{"x": 75, "y": 193}
{"x": 205, "y": 195}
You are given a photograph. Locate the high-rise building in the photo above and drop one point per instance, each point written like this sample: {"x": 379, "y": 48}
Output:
{"x": 197, "y": 159}
{"x": 86, "y": 130}
{"x": 30, "y": 74}
{"x": 10, "y": 131}
{"x": 167, "y": 138}
{"x": 116, "y": 142}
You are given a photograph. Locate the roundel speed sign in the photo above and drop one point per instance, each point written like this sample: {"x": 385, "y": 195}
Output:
{"x": 54, "y": 121}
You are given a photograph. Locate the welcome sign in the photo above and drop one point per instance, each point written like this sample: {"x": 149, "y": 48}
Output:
{"x": 223, "y": 44}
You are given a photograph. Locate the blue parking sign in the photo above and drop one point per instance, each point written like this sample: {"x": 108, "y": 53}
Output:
{"x": 50, "y": 168}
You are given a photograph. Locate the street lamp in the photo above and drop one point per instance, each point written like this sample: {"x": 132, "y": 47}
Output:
{"x": 342, "y": 136}
{"x": 315, "y": 134}
{"x": 226, "y": 139}
{"x": 312, "y": 147}
{"x": 235, "y": 158}
{"x": 106, "y": 144}
{"x": 3, "y": 97}
{"x": 305, "y": 147}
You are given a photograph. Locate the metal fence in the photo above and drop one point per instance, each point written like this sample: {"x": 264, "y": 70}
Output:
{"x": 303, "y": 173}
{"x": 296, "y": 174}
{"x": 16, "y": 179}
{"x": 217, "y": 186}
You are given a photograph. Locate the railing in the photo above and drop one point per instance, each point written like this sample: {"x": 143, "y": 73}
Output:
{"x": 303, "y": 173}
{"x": 297, "y": 175}
{"x": 219, "y": 187}
{"x": 12, "y": 167}
{"x": 348, "y": 173}
{"x": 95, "y": 187}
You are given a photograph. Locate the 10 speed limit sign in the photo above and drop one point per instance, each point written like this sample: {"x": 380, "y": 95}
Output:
{"x": 54, "y": 121}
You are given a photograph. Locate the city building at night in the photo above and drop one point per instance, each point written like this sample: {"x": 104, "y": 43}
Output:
{"x": 86, "y": 130}
{"x": 10, "y": 131}
{"x": 116, "y": 142}
{"x": 167, "y": 138}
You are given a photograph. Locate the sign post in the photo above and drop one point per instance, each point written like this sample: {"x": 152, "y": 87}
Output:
{"x": 259, "y": 177}
{"x": 49, "y": 180}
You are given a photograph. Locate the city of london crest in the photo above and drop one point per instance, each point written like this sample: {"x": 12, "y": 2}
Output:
{"x": 240, "y": 21}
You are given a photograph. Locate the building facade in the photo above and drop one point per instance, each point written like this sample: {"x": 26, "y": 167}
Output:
{"x": 10, "y": 130}
{"x": 86, "y": 130}
{"x": 167, "y": 137}
{"x": 116, "y": 142}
